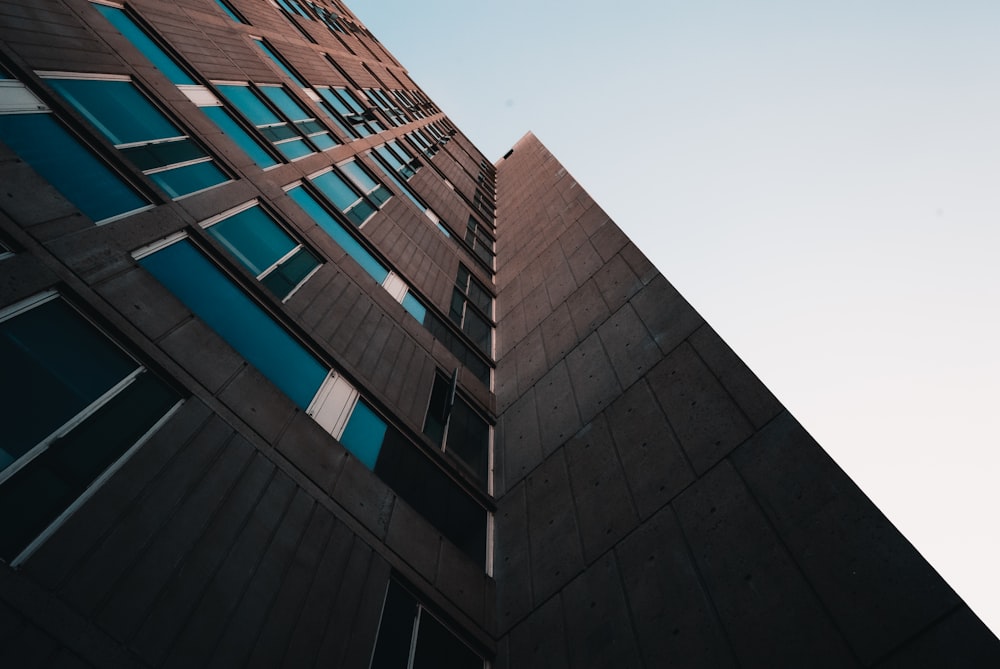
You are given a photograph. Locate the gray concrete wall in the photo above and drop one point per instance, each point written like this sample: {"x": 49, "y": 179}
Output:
{"x": 657, "y": 505}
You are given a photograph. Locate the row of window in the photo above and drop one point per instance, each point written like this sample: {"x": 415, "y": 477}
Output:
{"x": 313, "y": 385}
{"x": 82, "y": 405}
{"x": 27, "y": 127}
{"x": 148, "y": 138}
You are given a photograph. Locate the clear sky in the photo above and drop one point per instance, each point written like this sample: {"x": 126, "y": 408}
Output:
{"x": 820, "y": 180}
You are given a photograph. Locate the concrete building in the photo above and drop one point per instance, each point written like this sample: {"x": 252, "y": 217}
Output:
{"x": 293, "y": 375}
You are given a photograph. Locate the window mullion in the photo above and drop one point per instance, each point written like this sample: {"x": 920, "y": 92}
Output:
{"x": 279, "y": 261}
{"x": 69, "y": 425}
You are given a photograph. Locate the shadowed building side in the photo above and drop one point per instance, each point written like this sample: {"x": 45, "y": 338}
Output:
{"x": 657, "y": 506}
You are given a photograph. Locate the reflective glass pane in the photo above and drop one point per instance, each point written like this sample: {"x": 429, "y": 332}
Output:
{"x": 224, "y": 307}
{"x": 235, "y": 132}
{"x": 283, "y": 101}
{"x": 248, "y": 104}
{"x": 36, "y": 495}
{"x": 359, "y": 176}
{"x": 189, "y": 178}
{"x": 334, "y": 101}
{"x": 433, "y": 494}
{"x": 364, "y": 434}
{"x": 389, "y": 158}
{"x": 338, "y": 191}
{"x": 336, "y": 230}
{"x": 395, "y": 629}
{"x": 323, "y": 141}
{"x": 295, "y": 149}
{"x": 54, "y": 364}
{"x": 254, "y": 238}
{"x": 437, "y": 647}
{"x": 349, "y": 100}
{"x": 360, "y": 212}
{"x": 143, "y": 43}
{"x": 117, "y": 109}
{"x": 413, "y": 305}
{"x": 161, "y": 154}
{"x": 277, "y": 61}
{"x": 229, "y": 12}
{"x": 289, "y": 274}
{"x": 74, "y": 171}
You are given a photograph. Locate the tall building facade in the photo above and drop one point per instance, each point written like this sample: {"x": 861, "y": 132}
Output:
{"x": 294, "y": 375}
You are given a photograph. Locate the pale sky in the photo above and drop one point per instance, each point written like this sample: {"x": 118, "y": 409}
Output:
{"x": 820, "y": 180}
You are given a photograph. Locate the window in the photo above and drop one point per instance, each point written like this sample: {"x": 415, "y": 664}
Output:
{"x": 388, "y": 106}
{"x": 472, "y": 309}
{"x": 337, "y": 193}
{"x": 293, "y": 7}
{"x": 323, "y": 394}
{"x": 411, "y": 637}
{"x": 74, "y": 405}
{"x": 399, "y": 159}
{"x": 152, "y": 51}
{"x": 145, "y": 136}
{"x": 279, "y": 62}
{"x": 408, "y": 103}
{"x": 199, "y": 95}
{"x": 426, "y": 146}
{"x": 231, "y": 11}
{"x": 312, "y": 206}
{"x": 420, "y": 483}
{"x": 327, "y": 18}
{"x": 29, "y": 128}
{"x": 263, "y": 247}
{"x": 481, "y": 241}
{"x": 484, "y": 203}
{"x": 357, "y": 197}
{"x": 304, "y": 122}
{"x": 390, "y": 174}
{"x": 457, "y": 428}
{"x": 346, "y": 107}
{"x": 289, "y": 131}
{"x": 224, "y": 307}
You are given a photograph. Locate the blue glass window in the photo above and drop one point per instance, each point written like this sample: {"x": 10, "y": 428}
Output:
{"x": 415, "y": 307}
{"x": 230, "y": 11}
{"x": 66, "y": 164}
{"x": 403, "y": 188}
{"x": 398, "y": 159}
{"x": 364, "y": 434}
{"x": 327, "y": 18}
{"x": 349, "y": 110}
{"x": 264, "y": 248}
{"x": 388, "y": 107}
{"x": 224, "y": 307}
{"x": 74, "y": 403}
{"x": 222, "y": 118}
{"x": 306, "y": 124}
{"x": 344, "y": 197}
{"x": 336, "y": 230}
{"x": 127, "y": 27}
{"x": 173, "y": 71}
{"x": 293, "y": 7}
{"x": 279, "y": 62}
{"x": 286, "y": 137}
{"x": 144, "y": 135}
